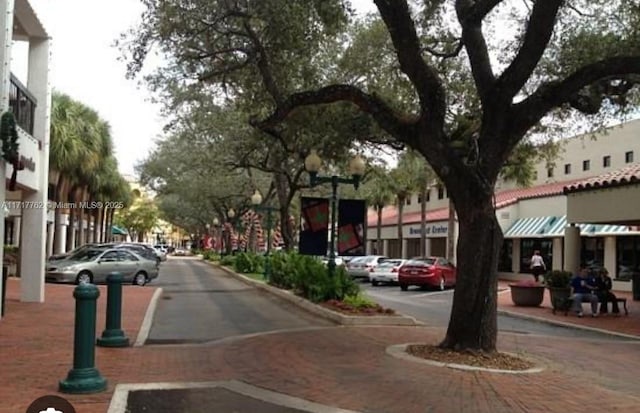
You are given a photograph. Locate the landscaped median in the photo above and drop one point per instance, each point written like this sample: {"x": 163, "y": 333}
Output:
{"x": 338, "y": 299}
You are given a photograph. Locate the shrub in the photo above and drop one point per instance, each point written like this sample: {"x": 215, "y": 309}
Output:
{"x": 227, "y": 260}
{"x": 249, "y": 263}
{"x": 558, "y": 279}
{"x": 359, "y": 301}
{"x": 210, "y": 255}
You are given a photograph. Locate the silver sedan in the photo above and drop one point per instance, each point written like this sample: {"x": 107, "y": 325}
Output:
{"x": 93, "y": 265}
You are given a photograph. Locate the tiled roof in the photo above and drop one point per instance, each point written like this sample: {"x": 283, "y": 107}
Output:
{"x": 503, "y": 199}
{"x": 625, "y": 176}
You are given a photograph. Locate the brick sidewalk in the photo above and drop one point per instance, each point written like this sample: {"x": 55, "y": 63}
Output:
{"x": 345, "y": 367}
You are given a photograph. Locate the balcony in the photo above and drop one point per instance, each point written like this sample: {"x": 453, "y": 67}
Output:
{"x": 22, "y": 104}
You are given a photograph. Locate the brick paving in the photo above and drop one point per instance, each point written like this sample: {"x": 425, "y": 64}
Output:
{"x": 340, "y": 366}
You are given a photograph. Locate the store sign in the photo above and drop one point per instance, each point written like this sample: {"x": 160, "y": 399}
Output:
{"x": 431, "y": 230}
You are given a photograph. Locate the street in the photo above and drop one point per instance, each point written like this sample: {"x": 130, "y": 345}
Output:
{"x": 433, "y": 308}
{"x": 201, "y": 304}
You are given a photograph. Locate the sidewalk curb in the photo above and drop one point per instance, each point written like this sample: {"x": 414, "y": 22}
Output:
{"x": 567, "y": 324}
{"x": 398, "y": 320}
{"x": 145, "y": 328}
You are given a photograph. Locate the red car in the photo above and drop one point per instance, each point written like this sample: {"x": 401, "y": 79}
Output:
{"x": 434, "y": 272}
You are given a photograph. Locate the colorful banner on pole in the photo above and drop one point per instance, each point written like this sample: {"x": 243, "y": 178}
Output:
{"x": 314, "y": 226}
{"x": 352, "y": 215}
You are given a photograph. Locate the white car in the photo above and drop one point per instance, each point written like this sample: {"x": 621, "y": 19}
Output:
{"x": 386, "y": 272}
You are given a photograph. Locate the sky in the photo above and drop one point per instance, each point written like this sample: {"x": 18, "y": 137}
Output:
{"x": 84, "y": 65}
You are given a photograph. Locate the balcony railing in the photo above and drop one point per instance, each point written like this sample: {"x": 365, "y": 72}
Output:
{"x": 22, "y": 104}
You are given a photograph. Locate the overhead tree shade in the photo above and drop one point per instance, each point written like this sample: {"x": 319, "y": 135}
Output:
{"x": 118, "y": 231}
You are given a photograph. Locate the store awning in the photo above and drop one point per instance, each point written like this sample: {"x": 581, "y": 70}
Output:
{"x": 529, "y": 227}
{"x": 553, "y": 226}
{"x": 118, "y": 231}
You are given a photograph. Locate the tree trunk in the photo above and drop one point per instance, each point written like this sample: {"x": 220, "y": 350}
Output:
{"x": 82, "y": 239}
{"x": 423, "y": 221}
{"x": 450, "y": 230}
{"x": 285, "y": 196}
{"x": 379, "y": 248}
{"x": 101, "y": 225}
{"x": 401, "y": 201}
{"x": 473, "y": 323}
{"x": 97, "y": 224}
{"x": 57, "y": 213}
{"x": 72, "y": 219}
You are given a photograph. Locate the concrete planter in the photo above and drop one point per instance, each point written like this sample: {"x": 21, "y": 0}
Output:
{"x": 527, "y": 296}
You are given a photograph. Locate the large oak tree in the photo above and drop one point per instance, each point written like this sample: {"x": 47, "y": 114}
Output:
{"x": 474, "y": 97}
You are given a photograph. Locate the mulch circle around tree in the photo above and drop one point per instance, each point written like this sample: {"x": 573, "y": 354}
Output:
{"x": 496, "y": 360}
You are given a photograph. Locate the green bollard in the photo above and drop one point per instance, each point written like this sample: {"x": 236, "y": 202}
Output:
{"x": 84, "y": 377}
{"x": 113, "y": 336}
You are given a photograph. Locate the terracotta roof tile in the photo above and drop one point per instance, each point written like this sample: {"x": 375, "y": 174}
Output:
{"x": 624, "y": 176}
{"x": 503, "y": 199}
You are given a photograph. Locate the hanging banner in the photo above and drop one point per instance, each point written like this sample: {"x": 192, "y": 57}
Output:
{"x": 315, "y": 226}
{"x": 352, "y": 214}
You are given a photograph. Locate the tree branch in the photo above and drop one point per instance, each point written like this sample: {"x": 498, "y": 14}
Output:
{"x": 397, "y": 17}
{"x": 395, "y": 124}
{"x": 470, "y": 16}
{"x": 263, "y": 65}
{"x": 536, "y": 39}
{"x": 445, "y": 55}
{"x": 554, "y": 94}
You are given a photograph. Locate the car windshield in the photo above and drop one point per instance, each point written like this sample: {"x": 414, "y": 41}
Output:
{"x": 422, "y": 261}
{"x": 85, "y": 255}
{"x": 390, "y": 263}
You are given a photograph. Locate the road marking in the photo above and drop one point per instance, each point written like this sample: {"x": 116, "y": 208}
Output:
{"x": 121, "y": 394}
{"x": 145, "y": 328}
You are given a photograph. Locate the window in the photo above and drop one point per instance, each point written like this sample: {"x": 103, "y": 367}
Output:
{"x": 606, "y": 161}
{"x": 428, "y": 195}
{"x": 528, "y": 245}
{"x": 440, "y": 192}
{"x": 535, "y": 175}
{"x": 506, "y": 256}
{"x": 408, "y": 201}
{"x": 628, "y": 157}
{"x": 628, "y": 258}
{"x": 586, "y": 165}
{"x": 592, "y": 251}
{"x": 420, "y": 199}
{"x": 567, "y": 169}
{"x": 550, "y": 173}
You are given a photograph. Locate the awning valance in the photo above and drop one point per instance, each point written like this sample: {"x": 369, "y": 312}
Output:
{"x": 553, "y": 226}
{"x": 118, "y": 231}
{"x": 529, "y": 227}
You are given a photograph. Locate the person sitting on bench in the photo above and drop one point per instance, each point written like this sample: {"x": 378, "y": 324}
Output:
{"x": 583, "y": 290}
{"x": 604, "y": 284}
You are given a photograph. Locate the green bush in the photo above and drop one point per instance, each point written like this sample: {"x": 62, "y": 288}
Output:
{"x": 359, "y": 301}
{"x": 283, "y": 269}
{"x": 558, "y": 279}
{"x": 249, "y": 263}
{"x": 210, "y": 255}
{"x": 227, "y": 260}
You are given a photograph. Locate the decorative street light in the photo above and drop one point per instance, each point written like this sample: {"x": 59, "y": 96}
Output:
{"x": 256, "y": 200}
{"x": 216, "y": 233}
{"x": 312, "y": 164}
{"x": 230, "y": 215}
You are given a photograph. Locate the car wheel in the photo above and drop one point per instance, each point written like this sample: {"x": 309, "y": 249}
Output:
{"x": 140, "y": 279}
{"x": 375, "y": 283}
{"x": 404, "y": 287}
{"x": 442, "y": 284}
{"x": 84, "y": 277}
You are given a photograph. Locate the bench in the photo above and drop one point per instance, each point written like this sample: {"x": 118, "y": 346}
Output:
{"x": 568, "y": 302}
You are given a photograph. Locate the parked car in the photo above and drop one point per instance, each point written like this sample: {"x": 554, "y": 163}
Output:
{"x": 143, "y": 250}
{"x": 93, "y": 265}
{"x": 339, "y": 261}
{"x": 386, "y": 272}
{"x": 180, "y": 252}
{"x": 64, "y": 255}
{"x": 360, "y": 267}
{"x": 434, "y": 272}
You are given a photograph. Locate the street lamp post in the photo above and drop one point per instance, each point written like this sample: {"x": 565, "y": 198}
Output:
{"x": 256, "y": 200}
{"x": 216, "y": 232}
{"x": 312, "y": 164}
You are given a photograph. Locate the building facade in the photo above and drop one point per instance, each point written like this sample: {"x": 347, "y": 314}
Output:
{"x": 555, "y": 215}
{"x": 27, "y": 216}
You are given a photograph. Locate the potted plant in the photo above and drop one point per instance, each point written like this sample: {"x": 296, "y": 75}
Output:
{"x": 558, "y": 282}
{"x": 527, "y": 293}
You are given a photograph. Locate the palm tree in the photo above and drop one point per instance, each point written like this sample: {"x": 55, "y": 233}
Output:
{"x": 379, "y": 193}
{"x": 404, "y": 183}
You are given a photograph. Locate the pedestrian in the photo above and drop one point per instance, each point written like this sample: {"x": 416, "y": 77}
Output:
{"x": 605, "y": 284}
{"x": 583, "y": 290}
{"x": 537, "y": 265}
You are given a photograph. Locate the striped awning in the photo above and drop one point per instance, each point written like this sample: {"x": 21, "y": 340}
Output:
{"x": 557, "y": 228}
{"x": 529, "y": 227}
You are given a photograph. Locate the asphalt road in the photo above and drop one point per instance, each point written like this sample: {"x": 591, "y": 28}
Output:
{"x": 434, "y": 307}
{"x": 201, "y": 304}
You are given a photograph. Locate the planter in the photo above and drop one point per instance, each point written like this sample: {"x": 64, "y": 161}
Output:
{"x": 527, "y": 296}
{"x": 559, "y": 296}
